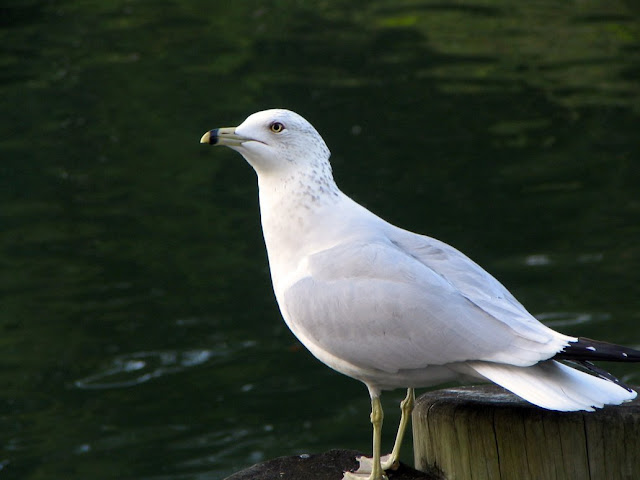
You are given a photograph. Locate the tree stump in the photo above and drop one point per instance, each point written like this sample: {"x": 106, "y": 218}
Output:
{"x": 486, "y": 432}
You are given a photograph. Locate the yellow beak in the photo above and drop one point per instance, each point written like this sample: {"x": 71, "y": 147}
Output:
{"x": 223, "y": 136}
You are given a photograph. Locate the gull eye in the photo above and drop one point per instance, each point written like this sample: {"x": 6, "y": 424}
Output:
{"x": 276, "y": 127}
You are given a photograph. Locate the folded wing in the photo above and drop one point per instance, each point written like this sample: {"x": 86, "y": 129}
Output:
{"x": 397, "y": 302}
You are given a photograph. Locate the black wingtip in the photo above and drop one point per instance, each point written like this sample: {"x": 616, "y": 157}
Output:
{"x": 603, "y": 374}
{"x": 595, "y": 350}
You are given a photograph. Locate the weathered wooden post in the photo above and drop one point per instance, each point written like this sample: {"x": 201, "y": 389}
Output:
{"x": 485, "y": 432}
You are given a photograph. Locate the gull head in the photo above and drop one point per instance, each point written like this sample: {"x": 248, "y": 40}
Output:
{"x": 274, "y": 141}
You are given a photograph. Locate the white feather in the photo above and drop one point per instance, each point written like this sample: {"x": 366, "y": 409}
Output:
{"x": 555, "y": 386}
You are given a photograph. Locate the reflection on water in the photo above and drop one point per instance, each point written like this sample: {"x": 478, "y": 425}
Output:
{"x": 140, "y": 337}
{"x": 136, "y": 368}
{"x": 561, "y": 320}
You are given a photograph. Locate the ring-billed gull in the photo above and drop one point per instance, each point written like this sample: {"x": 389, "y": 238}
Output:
{"x": 392, "y": 308}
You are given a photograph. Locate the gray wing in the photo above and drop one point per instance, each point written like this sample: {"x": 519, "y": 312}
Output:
{"x": 406, "y": 301}
{"x": 469, "y": 278}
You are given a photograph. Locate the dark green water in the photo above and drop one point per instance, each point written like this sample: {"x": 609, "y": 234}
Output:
{"x": 139, "y": 335}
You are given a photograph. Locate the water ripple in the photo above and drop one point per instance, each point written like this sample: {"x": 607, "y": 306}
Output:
{"x": 139, "y": 367}
{"x": 563, "y": 319}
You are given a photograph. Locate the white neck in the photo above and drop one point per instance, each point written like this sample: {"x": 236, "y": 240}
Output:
{"x": 296, "y": 213}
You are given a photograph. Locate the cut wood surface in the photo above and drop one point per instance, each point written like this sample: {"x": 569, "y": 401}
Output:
{"x": 485, "y": 432}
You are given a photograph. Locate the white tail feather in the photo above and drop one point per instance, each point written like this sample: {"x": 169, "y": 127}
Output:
{"x": 554, "y": 386}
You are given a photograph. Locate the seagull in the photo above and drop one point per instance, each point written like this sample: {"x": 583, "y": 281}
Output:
{"x": 396, "y": 309}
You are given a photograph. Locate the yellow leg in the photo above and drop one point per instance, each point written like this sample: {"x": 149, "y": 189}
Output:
{"x": 406, "y": 407}
{"x": 373, "y": 466}
{"x": 377, "y": 473}
{"x": 370, "y": 468}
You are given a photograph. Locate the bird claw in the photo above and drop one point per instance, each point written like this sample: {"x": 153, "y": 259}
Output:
{"x": 365, "y": 470}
